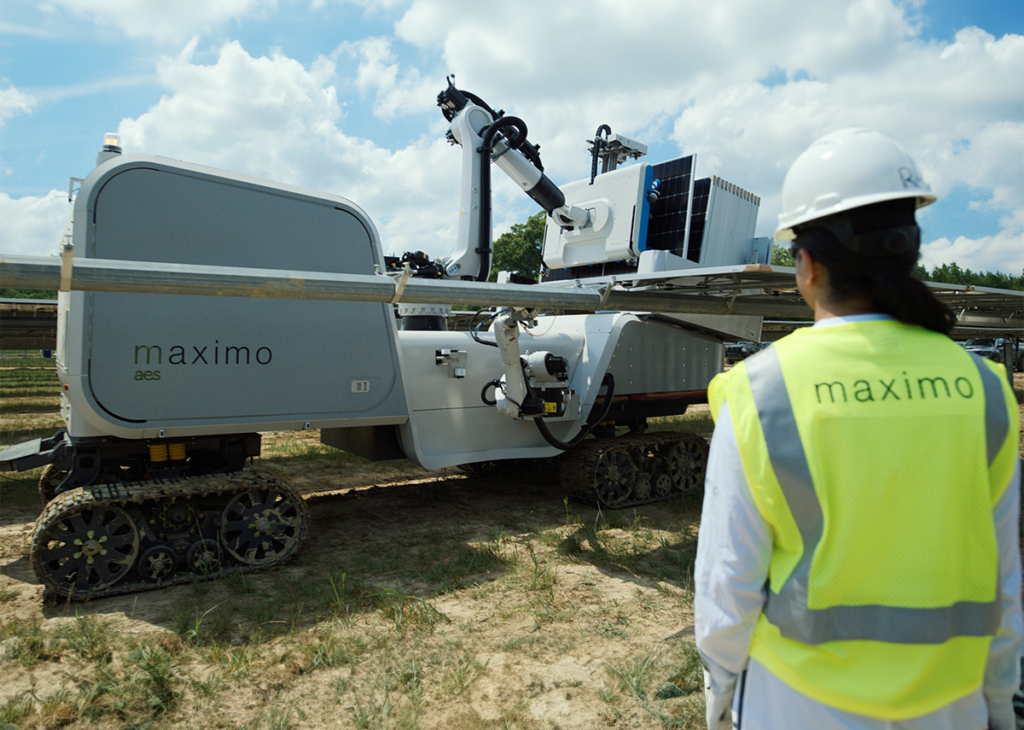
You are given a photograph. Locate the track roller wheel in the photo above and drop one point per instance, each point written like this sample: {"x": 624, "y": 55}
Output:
{"x": 80, "y": 548}
{"x": 265, "y": 526}
{"x": 614, "y": 476}
{"x": 157, "y": 564}
{"x": 687, "y": 460}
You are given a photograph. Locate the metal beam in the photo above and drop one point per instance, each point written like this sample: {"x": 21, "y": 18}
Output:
{"x": 99, "y": 275}
{"x": 751, "y": 290}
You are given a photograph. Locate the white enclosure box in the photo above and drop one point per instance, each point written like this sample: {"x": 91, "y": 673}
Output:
{"x": 618, "y": 209}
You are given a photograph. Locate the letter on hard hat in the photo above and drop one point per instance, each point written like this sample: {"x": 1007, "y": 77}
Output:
{"x": 847, "y": 169}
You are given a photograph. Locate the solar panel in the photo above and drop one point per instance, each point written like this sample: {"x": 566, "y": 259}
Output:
{"x": 669, "y": 221}
{"x": 701, "y": 195}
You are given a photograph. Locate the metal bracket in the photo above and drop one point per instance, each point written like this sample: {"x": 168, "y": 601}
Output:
{"x": 401, "y": 282}
{"x": 67, "y": 254}
{"x": 607, "y": 290}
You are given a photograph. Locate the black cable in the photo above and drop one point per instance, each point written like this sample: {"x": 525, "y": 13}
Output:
{"x": 609, "y": 382}
{"x": 496, "y": 383}
{"x": 504, "y": 392}
{"x": 485, "y": 149}
{"x": 473, "y": 331}
{"x": 598, "y": 143}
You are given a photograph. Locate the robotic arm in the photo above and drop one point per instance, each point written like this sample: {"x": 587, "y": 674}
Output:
{"x": 486, "y": 136}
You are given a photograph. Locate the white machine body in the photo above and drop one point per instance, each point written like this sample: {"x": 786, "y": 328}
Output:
{"x": 617, "y": 209}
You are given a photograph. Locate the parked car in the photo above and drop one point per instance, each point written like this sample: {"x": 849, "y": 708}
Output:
{"x": 992, "y": 348}
{"x": 985, "y": 347}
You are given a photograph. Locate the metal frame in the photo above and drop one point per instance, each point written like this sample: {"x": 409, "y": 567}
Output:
{"x": 756, "y": 289}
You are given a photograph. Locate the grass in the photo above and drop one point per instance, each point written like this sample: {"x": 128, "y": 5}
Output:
{"x": 29, "y": 398}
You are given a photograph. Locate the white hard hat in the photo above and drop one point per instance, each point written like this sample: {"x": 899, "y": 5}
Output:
{"x": 847, "y": 169}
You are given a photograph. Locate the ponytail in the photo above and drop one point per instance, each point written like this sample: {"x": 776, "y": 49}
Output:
{"x": 899, "y": 294}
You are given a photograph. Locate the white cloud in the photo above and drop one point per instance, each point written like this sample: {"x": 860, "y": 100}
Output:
{"x": 32, "y": 225}
{"x": 397, "y": 91}
{"x": 166, "y": 21}
{"x": 1002, "y": 252}
{"x": 275, "y": 118}
{"x": 14, "y": 102}
{"x": 369, "y": 6}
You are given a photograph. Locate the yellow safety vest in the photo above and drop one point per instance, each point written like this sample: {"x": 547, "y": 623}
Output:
{"x": 876, "y": 451}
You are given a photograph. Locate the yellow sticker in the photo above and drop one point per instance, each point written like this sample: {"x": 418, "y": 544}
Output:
{"x": 550, "y": 407}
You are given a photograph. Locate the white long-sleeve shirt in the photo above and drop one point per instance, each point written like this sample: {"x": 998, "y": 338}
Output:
{"x": 733, "y": 554}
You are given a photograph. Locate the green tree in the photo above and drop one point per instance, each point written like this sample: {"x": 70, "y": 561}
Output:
{"x": 519, "y": 250}
{"x": 781, "y": 255}
{"x": 6, "y": 293}
{"x": 953, "y": 274}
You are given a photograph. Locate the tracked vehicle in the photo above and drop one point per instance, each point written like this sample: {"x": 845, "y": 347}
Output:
{"x": 164, "y": 394}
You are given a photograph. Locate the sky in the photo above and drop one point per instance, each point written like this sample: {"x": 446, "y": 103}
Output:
{"x": 340, "y": 96}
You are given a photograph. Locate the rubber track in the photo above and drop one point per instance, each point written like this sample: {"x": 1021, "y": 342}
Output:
{"x": 138, "y": 492}
{"x": 578, "y": 466}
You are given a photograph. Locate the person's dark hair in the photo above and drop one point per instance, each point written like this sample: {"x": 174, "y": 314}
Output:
{"x": 886, "y": 278}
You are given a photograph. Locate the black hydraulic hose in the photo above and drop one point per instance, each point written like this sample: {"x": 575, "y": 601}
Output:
{"x": 597, "y": 148}
{"x": 608, "y": 382}
{"x": 483, "y": 393}
{"x": 473, "y": 329}
{"x": 484, "y": 151}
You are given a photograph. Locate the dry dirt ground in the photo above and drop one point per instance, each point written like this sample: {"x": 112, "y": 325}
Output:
{"x": 421, "y": 599}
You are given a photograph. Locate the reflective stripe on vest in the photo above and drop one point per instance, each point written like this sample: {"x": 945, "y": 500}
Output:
{"x": 788, "y": 610}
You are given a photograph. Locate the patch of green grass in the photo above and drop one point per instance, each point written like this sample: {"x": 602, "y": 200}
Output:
{"x": 448, "y": 567}
{"x": 689, "y": 672}
{"x": 608, "y": 621}
{"x": 458, "y": 672}
{"x": 678, "y": 703}
{"x": 407, "y": 612}
{"x": 381, "y": 710}
{"x": 536, "y": 574}
{"x": 333, "y": 651}
{"x": 21, "y": 489}
{"x": 58, "y": 709}
{"x": 236, "y": 660}
{"x": 147, "y": 686}
{"x": 521, "y": 642}
{"x": 16, "y": 709}
{"x": 89, "y": 639}
{"x": 199, "y": 628}
{"x": 26, "y": 643}
{"x": 635, "y": 674}
{"x": 343, "y": 595}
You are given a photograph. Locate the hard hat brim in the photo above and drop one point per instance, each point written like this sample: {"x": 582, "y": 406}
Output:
{"x": 787, "y": 223}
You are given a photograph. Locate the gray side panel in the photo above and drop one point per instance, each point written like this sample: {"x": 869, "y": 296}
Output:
{"x": 729, "y": 326}
{"x": 651, "y": 357}
{"x": 163, "y": 360}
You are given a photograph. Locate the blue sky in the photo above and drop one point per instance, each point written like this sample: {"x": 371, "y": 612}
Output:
{"x": 338, "y": 95}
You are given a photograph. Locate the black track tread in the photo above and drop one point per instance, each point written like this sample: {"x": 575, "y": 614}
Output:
{"x": 46, "y": 492}
{"x": 577, "y": 467}
{"x": 138, "y": 492}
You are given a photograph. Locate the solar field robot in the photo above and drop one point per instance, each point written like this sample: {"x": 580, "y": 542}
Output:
{"x": 164, "y": 395}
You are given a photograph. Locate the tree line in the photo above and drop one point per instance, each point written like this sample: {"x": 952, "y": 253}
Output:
{"x": 944, "y": 274}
